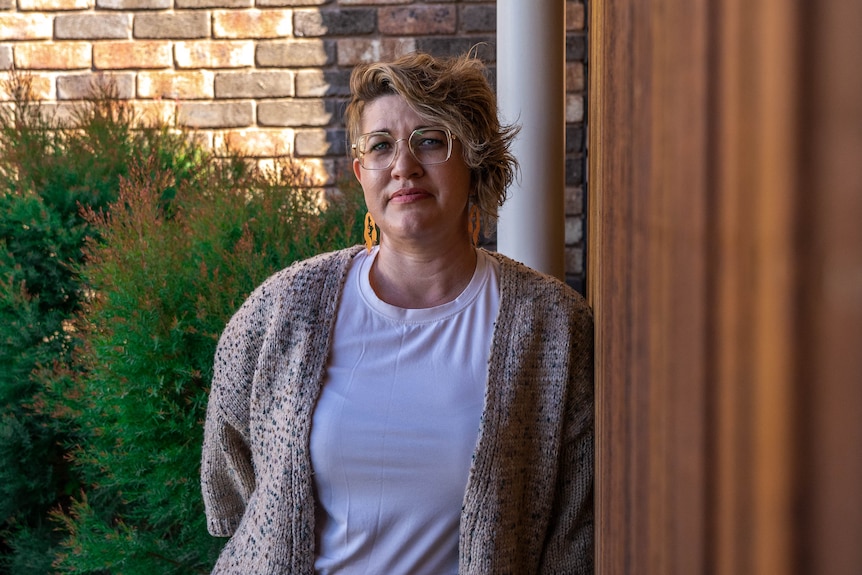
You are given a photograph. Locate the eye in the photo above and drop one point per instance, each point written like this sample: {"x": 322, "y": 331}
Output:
{"x": 429, "y": 140}
{"x": 377, "y": 144}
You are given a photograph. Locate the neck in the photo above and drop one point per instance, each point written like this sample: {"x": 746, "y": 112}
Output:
{"x": 410, "y": 278}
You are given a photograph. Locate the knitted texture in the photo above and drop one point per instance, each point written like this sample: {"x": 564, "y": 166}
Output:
{"x": 528, "y": 506}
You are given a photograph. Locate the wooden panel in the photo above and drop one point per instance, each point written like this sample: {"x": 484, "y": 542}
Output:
{"x": 830, "y": 367}
{"x": 725, "y": 271}
{"x": 753, "y": 322}
{"x": 648, "y": 137}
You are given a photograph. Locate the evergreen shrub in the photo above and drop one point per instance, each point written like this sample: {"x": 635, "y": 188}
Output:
{"x": 164, "y": 278}
{"x": 46, "y": 175}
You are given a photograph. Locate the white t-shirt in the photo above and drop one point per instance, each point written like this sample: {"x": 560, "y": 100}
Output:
{"x": 396, "y": 425}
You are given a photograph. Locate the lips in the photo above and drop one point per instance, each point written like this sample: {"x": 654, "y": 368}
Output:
{"x": 406, "y": 195}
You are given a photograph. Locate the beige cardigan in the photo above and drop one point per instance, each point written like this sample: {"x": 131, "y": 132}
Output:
{"x": 528, "y": 505}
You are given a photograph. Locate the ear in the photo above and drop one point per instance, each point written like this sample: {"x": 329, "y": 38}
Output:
{"x": 357, "y": 170}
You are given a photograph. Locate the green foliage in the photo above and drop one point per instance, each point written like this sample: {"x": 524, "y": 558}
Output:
{"x": 124, "y": 249}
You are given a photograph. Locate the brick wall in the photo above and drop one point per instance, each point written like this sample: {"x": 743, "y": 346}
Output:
{"x": 264, "y": 76}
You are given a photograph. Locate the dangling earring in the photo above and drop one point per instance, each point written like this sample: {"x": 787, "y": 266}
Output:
{"x": 370, "y": 232}
{"x": 473, "y": 224}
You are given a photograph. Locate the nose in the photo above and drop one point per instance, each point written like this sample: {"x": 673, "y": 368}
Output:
{"x": 404, "y": 164}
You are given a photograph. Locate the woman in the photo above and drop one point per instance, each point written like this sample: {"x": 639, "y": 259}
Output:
{"x": 420, "y": 406}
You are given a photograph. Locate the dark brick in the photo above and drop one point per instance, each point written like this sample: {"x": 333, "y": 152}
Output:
{"x": 254, "y": 84}
{"x": 133, "y": 4}
{"x": 215, "y": 114}
{"x": 417, "y": 19}
{"x": 334, "y": 22}
{"x": 576, "y": 47}
{"x": 196, "y": 4}
{"x": 310, "y": 143}
{"x": 83, "y": 86}
{"x": 479, "y": 18}
{"x": 319, "y": 83}
{"x": 92, "y": 26}
{"x": 575, "y": 170}
{"x": 297, "y": 112}
{"x": 574, "y": 139}
{"x": 485, "y": 46}
{"x": 178, "y": 25}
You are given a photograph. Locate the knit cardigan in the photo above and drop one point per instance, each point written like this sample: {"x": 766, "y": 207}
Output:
{"x": 528, "y": 505}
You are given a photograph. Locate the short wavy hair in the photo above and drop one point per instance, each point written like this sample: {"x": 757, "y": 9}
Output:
{"x": 452, "y": 92}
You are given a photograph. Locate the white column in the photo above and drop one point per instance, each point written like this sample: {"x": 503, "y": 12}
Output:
{"x": 531, "y": 59}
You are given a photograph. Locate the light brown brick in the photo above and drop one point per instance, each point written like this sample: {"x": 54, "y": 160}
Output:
{"x": 93, "y": 26}
{"x": 575, "y": 77}
{"x": 574, "y": 260}
{"x": 7, "y": 4}
{"x": 574, "y": 229}
{"x": 214, "y": 54}
{"x": 62, "y": 113}
{"x": 17, "y": 26}
{"x": 295, "y": 53}
{"x": 5, "y": 57}
{"x": 215, "y": 114}
{"x": 575, "y": 16}
{"x": 41, "y": 86}
{"x": 574, "y": 200}
{"x": 306, "y": 172}
{"x": 255, "y": 24}
{"x": 256, "y": 143}
{"x": 418, "y": 19}
{"x": 84, "y": 86}
{"x": 139, "y": 54}
{"x": 296, "y": 112}
{"x": 185, "y": 25}
{"x": 574, "y": 108}
{"x": 195, "y": 85}
{"x": 254, "y": 84}
{"x": 52, "y": 5}
{"x": 155, "y": 112}
{"x": 352, "y": 51}
{"x": 53, "y": 56}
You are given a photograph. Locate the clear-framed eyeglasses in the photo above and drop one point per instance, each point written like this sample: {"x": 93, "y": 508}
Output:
{"x": 429, "y": 146}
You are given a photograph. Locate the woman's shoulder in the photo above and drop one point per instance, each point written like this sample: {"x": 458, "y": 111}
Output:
{"x": 302, "y": 274}
{"x": 301, "y": 280}
{"x": 524, "y": 283}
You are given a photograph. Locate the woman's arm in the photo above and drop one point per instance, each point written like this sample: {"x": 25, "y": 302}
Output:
{"x": 227, "y": 469}
{"x": 569, "y": 546}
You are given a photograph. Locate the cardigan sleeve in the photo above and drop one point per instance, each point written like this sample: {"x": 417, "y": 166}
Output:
{"x": 569, "y": 545}
{"x": 227, "y": 469}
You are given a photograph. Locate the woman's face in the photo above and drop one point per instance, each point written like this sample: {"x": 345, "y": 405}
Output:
{"x": 411, "y": 202}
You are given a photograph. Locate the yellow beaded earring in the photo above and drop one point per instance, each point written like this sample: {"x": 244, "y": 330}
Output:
{"x": 473, "y": 224}
{"x": 370, "y": 232}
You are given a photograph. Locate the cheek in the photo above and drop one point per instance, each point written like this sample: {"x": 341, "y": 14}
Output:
{"x": 372, "y": 184}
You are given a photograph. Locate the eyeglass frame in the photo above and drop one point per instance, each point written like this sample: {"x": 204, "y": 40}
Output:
{"x": 450, "y": 137}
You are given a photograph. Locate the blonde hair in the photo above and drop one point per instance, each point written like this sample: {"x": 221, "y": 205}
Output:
{"x": 452, "y": 92}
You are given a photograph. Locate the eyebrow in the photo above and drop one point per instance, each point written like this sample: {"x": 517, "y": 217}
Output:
{"x": 388, "y": 131}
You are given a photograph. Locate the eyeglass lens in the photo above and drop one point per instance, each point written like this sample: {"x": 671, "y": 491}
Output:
{"x": 429, "y": 146}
